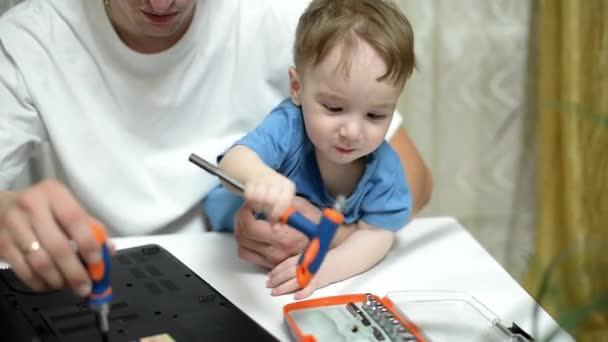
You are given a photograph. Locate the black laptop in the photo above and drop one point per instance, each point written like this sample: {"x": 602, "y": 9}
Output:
{"x": 154, "y": 294}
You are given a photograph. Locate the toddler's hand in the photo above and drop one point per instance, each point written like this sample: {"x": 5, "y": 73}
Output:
{"x": 282, "y": 280}
{"x": 272, "y": 193}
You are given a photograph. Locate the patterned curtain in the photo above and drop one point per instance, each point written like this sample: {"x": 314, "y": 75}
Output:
{"x": 571, "y": 262}
{"x": 466, "y": 108}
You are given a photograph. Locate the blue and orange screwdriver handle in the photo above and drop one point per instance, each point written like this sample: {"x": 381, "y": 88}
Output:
{"x": 319, "y": 235}
{"x": 101, "y": 293}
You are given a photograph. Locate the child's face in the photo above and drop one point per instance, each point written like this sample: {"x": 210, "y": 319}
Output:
{"x": 346, "y": 116}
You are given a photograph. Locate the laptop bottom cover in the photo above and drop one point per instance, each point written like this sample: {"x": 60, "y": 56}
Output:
{"x": 153, "y": 294}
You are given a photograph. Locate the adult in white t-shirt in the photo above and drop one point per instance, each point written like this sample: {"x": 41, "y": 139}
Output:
{"x": 123, "y": 92}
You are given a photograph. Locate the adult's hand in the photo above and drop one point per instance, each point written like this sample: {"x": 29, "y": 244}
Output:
{"x": 262, "y": 244}
{"x": 36, "y": 226}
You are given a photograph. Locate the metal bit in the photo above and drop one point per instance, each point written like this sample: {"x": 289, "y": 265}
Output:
{"x": 367, "y": 305}
{"x": 377, "y": 314}
{"x": 405, "y": 335}
{"x": 373, "y": 308}
{"x": 368, "y": 301}
{"x": 382, "y": 316}
{"x": 408, "y": 338}
{"x": 101, "y": 312}
{"x": 386, "y": 323}
{"x": 395, "y": 324}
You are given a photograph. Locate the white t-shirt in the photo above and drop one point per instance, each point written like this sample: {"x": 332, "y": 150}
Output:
{"x": 121, "y": 124}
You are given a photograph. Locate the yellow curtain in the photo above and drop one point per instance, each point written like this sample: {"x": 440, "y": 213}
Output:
{"x": 572, "y": 127}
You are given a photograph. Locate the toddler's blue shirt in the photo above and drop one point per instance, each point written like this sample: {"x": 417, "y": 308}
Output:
{"x": 381, "y": 198}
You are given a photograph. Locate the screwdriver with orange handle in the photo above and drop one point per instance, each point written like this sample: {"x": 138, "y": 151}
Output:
{"x": 101, "y": 293}
{"x": 320, "y": 235}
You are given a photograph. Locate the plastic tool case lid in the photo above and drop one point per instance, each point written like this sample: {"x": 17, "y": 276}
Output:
{"x": 453, "y": 316}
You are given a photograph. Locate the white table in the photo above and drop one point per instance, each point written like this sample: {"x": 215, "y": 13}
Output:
{"x": 431, "y": 254}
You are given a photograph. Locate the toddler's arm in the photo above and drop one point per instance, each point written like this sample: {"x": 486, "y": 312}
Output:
{"x": 363, "y": 249}
{"x": 268, "y": 190}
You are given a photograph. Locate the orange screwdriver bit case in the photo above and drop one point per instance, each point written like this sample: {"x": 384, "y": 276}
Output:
{"x": 405, "y": 316}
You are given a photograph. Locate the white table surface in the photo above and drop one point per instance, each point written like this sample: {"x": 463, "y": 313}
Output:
{"x": 430, "y": 254}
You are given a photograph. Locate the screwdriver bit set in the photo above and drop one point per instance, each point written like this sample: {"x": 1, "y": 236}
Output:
{"x": 403, "y": 316}
{"x": 390, "y": 323}
{"x": 359, "y": 317}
